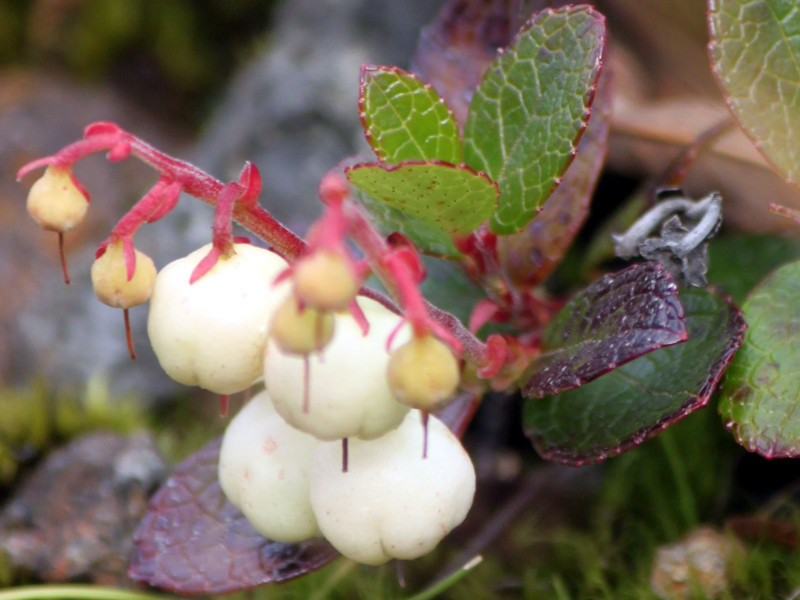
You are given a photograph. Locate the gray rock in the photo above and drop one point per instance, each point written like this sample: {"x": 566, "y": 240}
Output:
{"x": 74, "y": 517}
{"x": 293, "y": 112}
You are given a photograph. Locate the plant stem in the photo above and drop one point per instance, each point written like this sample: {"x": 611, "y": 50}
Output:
{"x": 322, "y": 591}
{"x": 450, "y": 580}
{"x": 374, "y": 246}
{"x": 74, "y": 591}
{"x": 686, "y": 502}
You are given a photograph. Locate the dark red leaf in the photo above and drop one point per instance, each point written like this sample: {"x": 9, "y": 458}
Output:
{"x": 635, "y": 402}
{"x": 193, "y": 541}
{"x": 615, "y": 320}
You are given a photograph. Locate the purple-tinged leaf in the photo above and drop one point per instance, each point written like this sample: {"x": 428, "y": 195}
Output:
{"x": 635, "y": 402}
{"x": 755, "y": 53}
{"x": 762, "y": 390}
{"x": 405, "y": 119}
{"x": 531, "y": 255}
{"x": 456, "y": 49}
{"x": 615, "y": 320}
{"x": 193, "y": 541}
{"x": 455, "y": 200}
{"x": 531, "y": 108}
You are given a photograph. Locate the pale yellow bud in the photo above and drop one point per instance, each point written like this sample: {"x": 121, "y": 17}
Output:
{"x": 423, "y": 373}
{"x": 303, "y": 331}
{"x": 325, "y": 281}
{"x": 110, "y": 278}
{"x": 55, "y": 202}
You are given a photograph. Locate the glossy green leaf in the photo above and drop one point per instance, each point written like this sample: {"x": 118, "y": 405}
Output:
{"x": 528, "y": 114}
{"x": 447, "y": 287}
{"x": 761, "y": 396}
{"x": 455, "y": 200}
{"x": 631, "y": 404}
{"x": 405, "y": 119}
{"x": 755, "y": 51}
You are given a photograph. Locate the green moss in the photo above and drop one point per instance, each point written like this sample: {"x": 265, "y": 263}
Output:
{"x": 34, "y": 418}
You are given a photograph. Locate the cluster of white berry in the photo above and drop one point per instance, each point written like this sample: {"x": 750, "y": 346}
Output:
{"x": 282, "y": 460}
{"x": 340, "y": 442}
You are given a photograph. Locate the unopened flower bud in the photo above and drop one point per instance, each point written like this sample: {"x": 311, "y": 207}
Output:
{"x": 325, "y": 280}
{"x": 423, "y": 373}
{"x": 299, "y": 330}
{"x": 55, "y": 202}
{"x": 110, "y": 278}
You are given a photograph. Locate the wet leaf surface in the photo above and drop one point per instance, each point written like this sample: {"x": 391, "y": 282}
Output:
{"x": 456, "y": 200}
{"x": 762, "y": 390}
{"x": 193, "y": 541}
{"x": 631, "y": 404}
{"x": 531, "y": 108}
{"x": 405, "y": 119}
{"x": 531, "y": 255}
{"x": 615, "y": 320}
{"x": 755, "y": 53}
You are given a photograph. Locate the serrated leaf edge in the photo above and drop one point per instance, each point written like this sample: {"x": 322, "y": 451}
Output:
{"x": 507, "y": 229}
{"x": 367, "y": 68}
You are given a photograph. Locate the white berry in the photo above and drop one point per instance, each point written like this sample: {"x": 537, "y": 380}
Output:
{"x": 212, "y": 333}
{"x": 348, "y": 391}
{"x": 392, "y": 503}
{"x": 264, "y": 469}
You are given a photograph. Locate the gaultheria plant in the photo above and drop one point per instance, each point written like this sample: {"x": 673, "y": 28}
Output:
{"x": 485, "y": 159}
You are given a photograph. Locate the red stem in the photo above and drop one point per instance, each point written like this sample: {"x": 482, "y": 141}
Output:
{"x": 100, "y": 137}
{"x": 374, "y": 246}
{"x": 62, "y": 255}
{"x": 128, "y": 334}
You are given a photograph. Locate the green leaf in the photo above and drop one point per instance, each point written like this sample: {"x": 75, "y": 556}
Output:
{"x": 633, "y": 403}
{"x": 755, "y": 53}
{"x": 455, "y": 50}
{"x": 762, "y": 392}
{"x": 738, "y": 262}
{"x": 455, "y": 200}
{"x": 532, "y": 254}
{"x": 405, "y": 119}
{"x": 428, "y": 239}
{"x": 531, "y": 108}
